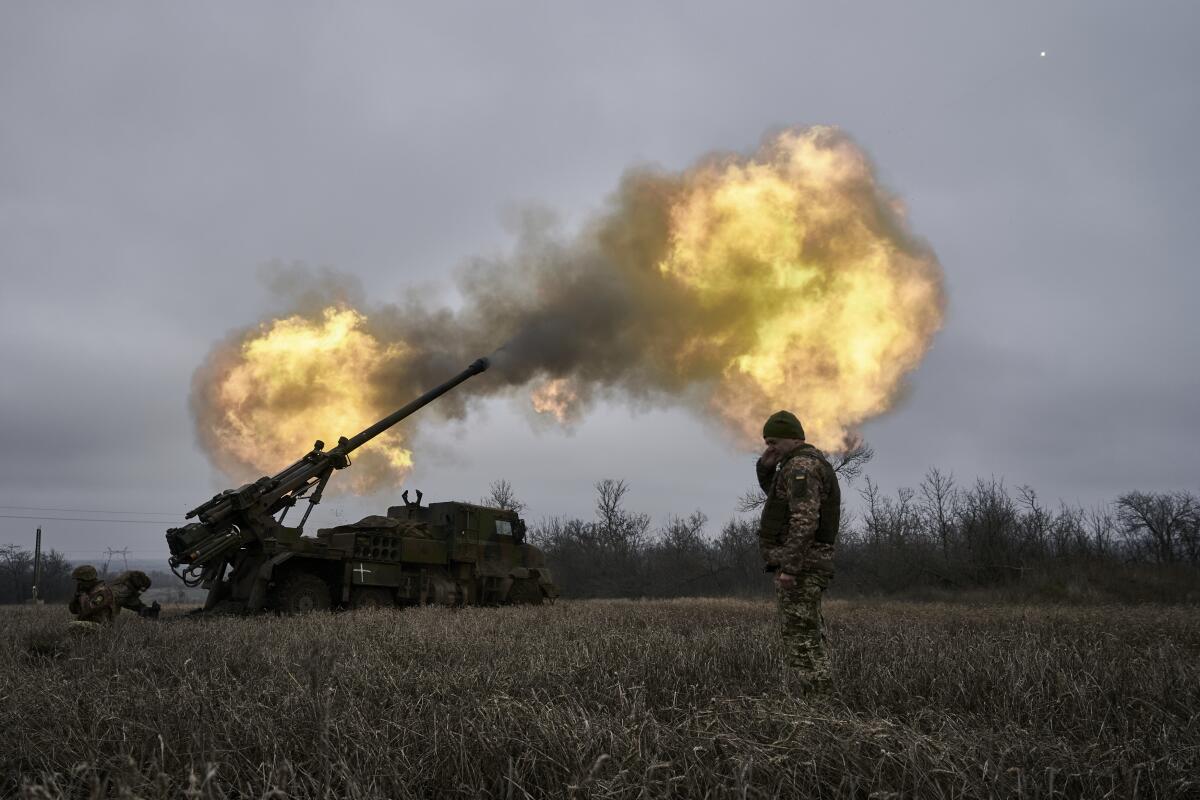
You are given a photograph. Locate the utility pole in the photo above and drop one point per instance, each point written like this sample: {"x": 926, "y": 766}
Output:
{"x": 37, "y": 566}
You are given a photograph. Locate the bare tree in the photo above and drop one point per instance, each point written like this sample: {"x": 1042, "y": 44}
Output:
{"x": 737, "y": 548}
{"x": 685, "y": 533}
{"x": 610, "y": 495}
{"x": 1189, "y": 532}
{"x": 751, "y": 500}
{"x": 1067, "y": 534}
{"x": 16, "y": 575}
{"x": 849, "y": 463}
{"x": 986, "y": 521}
{"x": 874, "y": 513}
{"x": 617, "y": 527}
{"x": 1035, "y": 522}
{"x": 1100, "y": 528}
{"x": 1164, "y": 524}
{"x": 938, "y": 493}
{"x": 906, "y": 523}
{"x": 16, "y": 570}
{"x": 501, "y": 495}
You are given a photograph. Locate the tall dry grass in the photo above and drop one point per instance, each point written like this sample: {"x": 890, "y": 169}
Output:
{"x": 605, "y": 699}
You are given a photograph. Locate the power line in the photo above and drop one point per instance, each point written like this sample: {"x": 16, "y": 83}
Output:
{"x": 90, "y": 519}
{"x": 162, "y": 552}
{"x": 88, "y": 510}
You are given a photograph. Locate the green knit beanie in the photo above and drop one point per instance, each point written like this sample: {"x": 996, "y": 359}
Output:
{"x": 783, "y": 425}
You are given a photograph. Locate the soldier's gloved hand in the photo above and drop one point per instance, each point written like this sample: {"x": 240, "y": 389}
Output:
{"x": 764, "y": 470}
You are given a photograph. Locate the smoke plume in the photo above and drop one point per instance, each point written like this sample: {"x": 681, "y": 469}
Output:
{"x": 745, "y": 284}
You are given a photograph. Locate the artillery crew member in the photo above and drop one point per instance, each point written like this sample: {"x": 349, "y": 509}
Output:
{"x": 799, "y": 524}
{"x": 93, "y": 602}
{"x": 127, "y": 591}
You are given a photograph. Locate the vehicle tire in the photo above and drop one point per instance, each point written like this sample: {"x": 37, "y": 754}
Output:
{"x": 371, "y": 597}
{"x": 525, "y": 592}
{"x": 300, "y": 593}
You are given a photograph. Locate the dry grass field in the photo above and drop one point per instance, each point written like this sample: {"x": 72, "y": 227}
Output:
{"x": 604, "y": 699}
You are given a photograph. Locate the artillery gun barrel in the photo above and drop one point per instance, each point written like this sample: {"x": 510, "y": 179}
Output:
{"x": 236, "y": 517}
{"x": 213, "y": 548}
{"x": 358, "y": 440}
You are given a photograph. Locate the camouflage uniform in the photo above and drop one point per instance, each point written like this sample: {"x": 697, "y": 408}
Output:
{"x": 796, "y": 539}
{"x": 127, "y": 591}
{"x": 93, "y": 601}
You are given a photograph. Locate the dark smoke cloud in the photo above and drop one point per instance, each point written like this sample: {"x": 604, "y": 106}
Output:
{"x": 592, "y": 308}
{"x": 595, "y": 308}
{"x": 300, "y": 288}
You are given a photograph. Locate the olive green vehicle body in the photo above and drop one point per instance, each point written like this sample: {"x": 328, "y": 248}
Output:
{"x": 240, "y": 550}
{"x": 451, "y": 554}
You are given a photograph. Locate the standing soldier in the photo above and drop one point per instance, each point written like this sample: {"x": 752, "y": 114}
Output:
{"x": 93, "y": 602}
{"x": 799, "y": 524}
{"x": 127, "y": 593}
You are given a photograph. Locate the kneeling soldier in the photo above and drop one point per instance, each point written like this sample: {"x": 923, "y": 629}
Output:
{"x": 127, "y": 593}
{"x": 93, "y": 601}
{"x": 799, "y": 523}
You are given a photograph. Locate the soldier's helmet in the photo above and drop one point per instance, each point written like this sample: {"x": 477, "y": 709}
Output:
{"x": 84, "y": 573}
{"x": 135, "y": 578}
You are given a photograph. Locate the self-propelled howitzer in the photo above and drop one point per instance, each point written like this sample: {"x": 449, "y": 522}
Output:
{"x": 239, "y": 548}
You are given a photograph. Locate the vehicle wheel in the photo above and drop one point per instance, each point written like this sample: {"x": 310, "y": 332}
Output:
{"x": 525, "y": 592}
{"x": 300, "y": 593}
{"x": 371, "y": 597}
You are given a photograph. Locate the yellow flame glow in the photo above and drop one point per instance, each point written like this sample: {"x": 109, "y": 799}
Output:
{"x": 556, "y": 398}
{"x": 788, "y": 280}
{"x": 297, "y": 379}
{"x": 838, "y": 313}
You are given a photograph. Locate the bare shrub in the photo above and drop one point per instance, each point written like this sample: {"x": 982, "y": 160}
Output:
{"x": 501, "y": 495}
{"x": 16, "y": 575}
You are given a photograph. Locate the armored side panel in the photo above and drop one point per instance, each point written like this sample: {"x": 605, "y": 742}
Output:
{"x": 444, "y": 553}
{"x": 241, "y": 552}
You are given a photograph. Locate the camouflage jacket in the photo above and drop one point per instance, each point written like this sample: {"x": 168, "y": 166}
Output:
{"x": 798, "y": 484}
{"x": 94, "y": 603}
{"x": 126, "y": 596}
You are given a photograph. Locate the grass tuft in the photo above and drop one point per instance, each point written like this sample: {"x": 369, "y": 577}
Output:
{"x": 605, "y": 699}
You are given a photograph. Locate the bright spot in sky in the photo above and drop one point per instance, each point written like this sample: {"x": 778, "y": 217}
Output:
{"x": 1043, "y": 54}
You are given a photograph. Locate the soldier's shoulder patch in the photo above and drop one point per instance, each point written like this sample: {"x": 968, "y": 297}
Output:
{"x": 805, "y": 473}
{"x": 799, "y": 484}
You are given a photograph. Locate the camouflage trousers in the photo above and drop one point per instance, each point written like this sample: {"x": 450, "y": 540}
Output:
{"x": 805, "y": 660}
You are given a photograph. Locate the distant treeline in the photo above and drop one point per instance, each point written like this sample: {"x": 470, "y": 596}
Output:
{"x": 16, "y": 576}
{"x": 938, "y": 539}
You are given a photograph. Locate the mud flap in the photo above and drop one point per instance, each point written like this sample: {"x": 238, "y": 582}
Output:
{"x": 258, "y": 592}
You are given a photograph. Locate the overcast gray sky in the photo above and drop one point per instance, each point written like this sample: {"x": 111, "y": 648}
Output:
{"x": 153, "y": 156}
